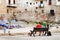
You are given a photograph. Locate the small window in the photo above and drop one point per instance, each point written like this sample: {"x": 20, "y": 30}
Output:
{"x": 33, "y": 3}
{"x": 41, "y": 2}
{"x": 36, "y": 11}
{"x": 14, "y": 1}
{"x": 9, "y": 1}
{"x": 42, "y": 11}
{"x": 25, "y": 9}
{"x": 30, "y": 3}
{"x": 36, "y": 7}
{"x": 36, "y": 2}
{"x": 7, "y": 11}
{"x": 14, "y": 14}
{"x": 50, "y": 2}
{"x": 52, "y": 12}
{"x": 26, "y": 2}
{"x": 58, "y": 0}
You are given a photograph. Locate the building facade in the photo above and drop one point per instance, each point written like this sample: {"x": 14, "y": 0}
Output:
{"x": 34, "y": 9}
{"x": 2, "y": 6}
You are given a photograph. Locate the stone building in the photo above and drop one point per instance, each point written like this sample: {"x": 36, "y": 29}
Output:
{"x": 32, "y": 10}
{"x": 3, "y": 7}
{"x": 37, "y": 9}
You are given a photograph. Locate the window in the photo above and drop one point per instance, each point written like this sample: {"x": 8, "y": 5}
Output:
{"x": 25, "y": 9}
{"x": 7, "y": 11}
{"x": 36, "y": 11}
{"x": 33, "y": 3}
{"x": 26, "y": 2}
{"x": 52, "y": 12}
{"x": 13, "y": 1}
{"x": 36, "y": 2}
{"x": 58, "y": 0}
{"x": 30, "y": 3}
{"x": 9, "y": 1}
{"x": 41, "y": 4}
{"x": 50, "y": 2}
{"x": 42, "y": 11}
{"x": 36, "y": 7}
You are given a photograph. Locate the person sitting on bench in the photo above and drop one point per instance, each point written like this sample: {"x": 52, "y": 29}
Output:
{"x": 38, "y": 26}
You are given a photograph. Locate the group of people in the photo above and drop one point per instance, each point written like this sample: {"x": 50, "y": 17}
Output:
{"x": 3, "y": 22}
{"x": 39, "y": 25}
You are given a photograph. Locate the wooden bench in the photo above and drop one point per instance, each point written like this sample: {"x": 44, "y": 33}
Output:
{"x": 39, "y": 30}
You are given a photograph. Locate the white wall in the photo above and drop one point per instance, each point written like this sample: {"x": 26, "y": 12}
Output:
{"x": 22, "y": 4}
{"x": 0, "y": 1}
{"x": 58, "y": 2}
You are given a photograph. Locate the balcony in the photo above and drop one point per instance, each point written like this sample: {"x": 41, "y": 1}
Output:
{"x": 12, "y": 5}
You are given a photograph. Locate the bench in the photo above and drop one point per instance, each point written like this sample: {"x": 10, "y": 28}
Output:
{"x": 38, "y": 30}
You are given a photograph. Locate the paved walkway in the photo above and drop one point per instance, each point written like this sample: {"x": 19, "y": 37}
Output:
{"x": 55, "y": 36}
{"x": 26, "y": 30}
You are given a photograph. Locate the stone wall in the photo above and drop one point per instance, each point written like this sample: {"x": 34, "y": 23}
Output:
{"x": 3, "y": 7}
{"x": 27, "y": 9}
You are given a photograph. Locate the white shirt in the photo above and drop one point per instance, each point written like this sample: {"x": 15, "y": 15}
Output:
{"x": 4, "y": 21}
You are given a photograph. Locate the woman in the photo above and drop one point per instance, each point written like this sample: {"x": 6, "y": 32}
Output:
{"x": 38, "y": 25}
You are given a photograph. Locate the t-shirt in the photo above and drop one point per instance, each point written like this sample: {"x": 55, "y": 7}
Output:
{"x": 39, "y": 26}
